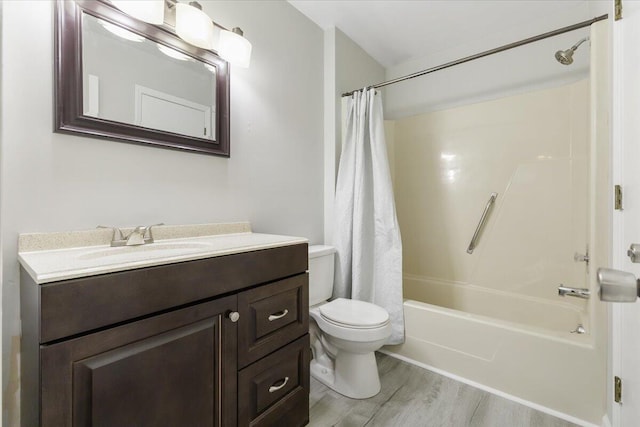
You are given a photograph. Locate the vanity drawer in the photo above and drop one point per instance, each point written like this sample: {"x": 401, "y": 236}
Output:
{"x": 275, "y": 390}
{"x": 272, "y": 316}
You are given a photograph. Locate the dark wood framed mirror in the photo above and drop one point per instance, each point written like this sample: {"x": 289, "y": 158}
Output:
{"x": 126, "y": 80}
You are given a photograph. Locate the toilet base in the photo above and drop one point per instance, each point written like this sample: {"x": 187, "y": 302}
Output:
{"x": 351, "y": 374}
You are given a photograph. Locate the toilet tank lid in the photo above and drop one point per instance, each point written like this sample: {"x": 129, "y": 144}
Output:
{"x": 320, "y": 250}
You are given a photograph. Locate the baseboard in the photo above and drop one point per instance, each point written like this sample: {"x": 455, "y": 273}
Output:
{"x": 499, "y": 393}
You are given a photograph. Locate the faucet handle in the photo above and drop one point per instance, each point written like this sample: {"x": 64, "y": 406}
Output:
{"x": 115, "y": 230}
{"x": 149, "y": 229}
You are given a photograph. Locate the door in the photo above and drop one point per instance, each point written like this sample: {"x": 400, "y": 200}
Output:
{"x": 626, "y": 317}
{"x": 177, "y": 368}
{"x": 160, "y": 110}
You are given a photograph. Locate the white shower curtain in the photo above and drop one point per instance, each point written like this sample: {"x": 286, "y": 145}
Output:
{"x": 367, "y": 236}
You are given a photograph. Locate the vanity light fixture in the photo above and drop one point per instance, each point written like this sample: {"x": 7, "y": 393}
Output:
{"x": 234, "y": 48}
{"x": 193, "y": 25}
{"x": 151, "y": 11}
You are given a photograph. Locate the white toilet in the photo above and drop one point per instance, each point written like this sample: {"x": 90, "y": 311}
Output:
{"x": 344, "y": 333}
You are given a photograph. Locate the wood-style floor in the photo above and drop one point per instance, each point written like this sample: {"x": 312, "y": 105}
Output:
{"x": 414, "y": 397}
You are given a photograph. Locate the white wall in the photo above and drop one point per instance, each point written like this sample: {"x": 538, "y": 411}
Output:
{"x": 53, "y": 181}
{"x": 348, "y": 67}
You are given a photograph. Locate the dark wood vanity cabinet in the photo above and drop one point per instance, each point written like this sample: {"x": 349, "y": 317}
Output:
{"x": 180, "y": 364}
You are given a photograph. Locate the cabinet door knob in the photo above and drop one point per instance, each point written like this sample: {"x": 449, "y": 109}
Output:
{"x": 233, "y": 316}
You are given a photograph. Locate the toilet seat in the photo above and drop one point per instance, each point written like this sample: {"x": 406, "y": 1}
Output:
{"x": 355, "y": 314}
{"x": 377, "y": 327}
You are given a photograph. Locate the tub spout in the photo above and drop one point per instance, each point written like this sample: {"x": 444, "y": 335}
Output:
{"x": 573, "y": 292}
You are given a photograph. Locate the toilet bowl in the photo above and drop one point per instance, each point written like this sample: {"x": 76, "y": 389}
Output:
{"x": 344, "y": 333}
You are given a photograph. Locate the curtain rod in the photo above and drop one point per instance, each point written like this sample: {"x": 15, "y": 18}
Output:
{"x": 486, "y": 53}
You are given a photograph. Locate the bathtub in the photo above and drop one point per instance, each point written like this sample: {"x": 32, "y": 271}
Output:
{"x": 499, "y": 342}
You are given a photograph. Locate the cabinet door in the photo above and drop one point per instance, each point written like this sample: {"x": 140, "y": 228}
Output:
{"x": 177, "y": 368}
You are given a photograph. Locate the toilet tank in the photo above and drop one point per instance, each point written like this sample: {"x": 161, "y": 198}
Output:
{"x": 321, "y": 260}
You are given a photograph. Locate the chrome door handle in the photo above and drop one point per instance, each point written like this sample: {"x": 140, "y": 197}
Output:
{"x": 617, "y": 286}
{"x": 273, "y": 317}
{"x": 278, "y": 387}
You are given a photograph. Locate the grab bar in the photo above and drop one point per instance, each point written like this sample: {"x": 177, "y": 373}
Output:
{"x": 483, "y": 219}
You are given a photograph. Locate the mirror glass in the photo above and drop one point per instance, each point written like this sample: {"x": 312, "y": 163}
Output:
{"x": 128, "y": 78}
{"x": 122, "y": 79}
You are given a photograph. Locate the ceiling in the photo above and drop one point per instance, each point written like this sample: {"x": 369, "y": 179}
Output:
{"x": 396, "y": 31}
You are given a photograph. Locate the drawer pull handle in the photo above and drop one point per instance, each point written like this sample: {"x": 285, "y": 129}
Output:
{"x": 278, "y": 316}
{"x": 278, "y": 387}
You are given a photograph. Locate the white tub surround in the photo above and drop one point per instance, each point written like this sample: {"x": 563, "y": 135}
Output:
{"x": 49, "y": 257}
{"x": 494, "y": 317}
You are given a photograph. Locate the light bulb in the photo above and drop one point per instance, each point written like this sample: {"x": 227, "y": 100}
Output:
{"x": 194, "y": 26}
{"x": 234, "y": 48}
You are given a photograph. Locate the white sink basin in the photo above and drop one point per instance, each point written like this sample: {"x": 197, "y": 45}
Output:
{"x": 149, "y": 250}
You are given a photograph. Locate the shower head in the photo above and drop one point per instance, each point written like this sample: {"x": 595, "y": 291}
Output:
{"x": 565, "y": 57}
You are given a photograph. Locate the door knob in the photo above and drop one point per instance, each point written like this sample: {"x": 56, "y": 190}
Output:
{"x": 617, "y": 286}
{"x": 233, "y": 316}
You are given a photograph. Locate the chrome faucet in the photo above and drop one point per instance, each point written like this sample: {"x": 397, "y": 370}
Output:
{"x": 573, "y": 292}
{"x": 135, "y": 238}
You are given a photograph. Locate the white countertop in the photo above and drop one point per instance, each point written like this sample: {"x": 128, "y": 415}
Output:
{"x": 51, "y": 265}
